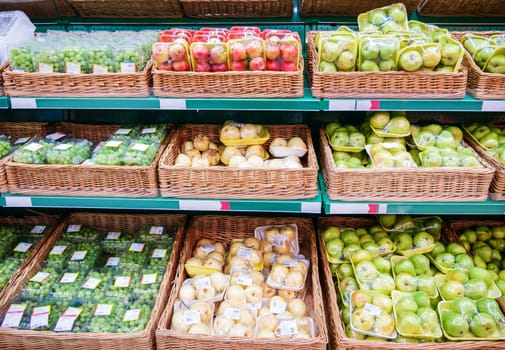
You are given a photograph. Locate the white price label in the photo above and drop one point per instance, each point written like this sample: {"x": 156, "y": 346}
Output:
{"x": 55, "y": 136}
{"x": 290, "y": 263}
{"x": 288, "y": 328}
{"x": 132, "y": 315}
{"x": 23, "y": 247}
{"x": 141, "y": 147}
{"x": 159, "y": 253}
{"x": 373, "y": 310}
{"x": 40, "y": 317}
{"x": 66, "y": 321}
{"x": 97, "y": 69}
{"x": 244, "y": 279}
{"x": 58, "y": 250}
{"x": 38, "y": 229}
{"x": 13, "y": 316}
{"x": 232, "y": 313}
{"x": 192, "y": 317}
{"x": 73, "y": 68}
{"x": 91, "y": 283}
{"x": 208, "y": 248}
{"x": 149, "y": 278}
{"x": 69, "y": 277}
{"x": 113, "y": 144}
{"x": 279, "y": 239}
{"x": 79, "y": 255}
{"x": 122, "y": 281}
{"x": 34, "y": 147}
{"x": 103, "y": 310}
{"x": 136, "y": 247}
{"x": 113, "y": 235}
{"x": 112, "y": 261}
{"x": 45, "y": 68}
{"x": 278, "y": 306}
{"x": 122, "y": 131}
{"x": 40, "y": 276}
{"x": 74, "y": 228}
{"x": 128, "y": 67}
{"x": 21, "y": 141}
{"x": 156, "y": 230}
{"x": 201, "y": 283}
{"x": 148, "y": 131}
{"x": 63, "y": 147}
{"x": 244, "y": 253}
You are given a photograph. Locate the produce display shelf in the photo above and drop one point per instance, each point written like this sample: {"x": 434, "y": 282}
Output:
{"x": 305, "y": 206}
{"x": 4, "y": 102}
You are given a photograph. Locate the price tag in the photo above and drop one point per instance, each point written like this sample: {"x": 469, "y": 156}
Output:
{"x": 244, "y": 253}
{"x": 55, "y": 136}
{"x": 156, "y": 230}
{"x": 73, "y": 68}
{"x": 288, "y": 328}
{"x": 148, "y": 131}
{"x": 34, "y": 147}
{"x": 97, "y": 69}
{"x": 191, "y": 317}
{"x": 58, "y": 250}
{"x": 159, "y": 253}
{"x": 113, "y": 144}
{"x": 40, "y": 317}
{"x": 112, "y": 261}
{"x": 373, "y": 310}
{"x": 23, "y": 103}
{"x": 91, "y": 283}
{"x": 23, "y": 247}
{"x": 40, "y": 276}
{"x": 279, "y": 239}
{"x": 21, "y": 141}
{"x": 141, "y": 147}
{"x": 244, "y": 279}
{"x": 201, "y": 283}
{"x": 13, "y": 316}
{"x": 123, "y": 131}
{"x": 342, "y": 105}
{"x": 74, "y": 228}
{"x": 38, "y": 229}
{"x": 79, "y": 255}
{"x": 136, "y": 247}
{"x": 103, "y": 310}
{"x": 66, "y": 321}
{"x": 208, "y": 248}
{"x": 63, "y": 147}
{"x": 277, "y": 306}
{"x": 69, "y": 277}
{"x": 128, "y": 67}
{"x": 113, "y": 235}
{"x": 45, "y": 68}
{"x": 149, "y": 278}
{"x": 291, "y": 263}
{"x": 122, "y": 281}
{"x": 232, "y": 313}
{"x": 132, "y": 315}
{"x": 172, "y": 103}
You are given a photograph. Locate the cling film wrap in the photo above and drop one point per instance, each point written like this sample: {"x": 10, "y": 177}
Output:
{"x": 246, "y": 53}
{"x": 172, "y": 55}
{"x": 390, "y": 155}
{"x": 378, "y": 53}
{"x": 496, "y": 62}
{"x": 338, "y": 52}
{"x": 452, "y": 52}
{"x": 420, "y": 57}
{"x": 429, "y": 30}
{"x": 385, "y": 19}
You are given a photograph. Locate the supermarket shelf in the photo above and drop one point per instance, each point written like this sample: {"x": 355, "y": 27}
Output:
{"x": 4, "y": 102}
{"x": 306, "y": 206}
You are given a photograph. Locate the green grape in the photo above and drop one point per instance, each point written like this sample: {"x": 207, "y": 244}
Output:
{"x": 134, "y": 258}
{"x": 85, "y": 257}
{"x": 25, "y": 319}
{"x": 114, "y": 244}
{"x": 102, "y": 57}
{"x": 81, "y": 233}
{"x": 107, "y": 323}
{"x": 57, "y": 307}
{"x": 135, "y": 318}
{"x": 126, "y": 133}
{"x": 159, "y": 256}
{"x": 69, "y": 152}
{"x": 8, "y": 267}
{"x": 47, "y": 56}
{"x": 157, "y": 234}
{"x": 147, "y": 286}
{"x": 22, "y": 250}
{"x": 119, "y": 291}
{"x": 80, "y": 323}
{"x": 68, "y": 285}
{"x": 110, "y": 153}
{"x": 8, "y": 239}
{"x": 34, "y": 152}
{"x": 21, "y": 59}
{"x": 38, "y": 286}
{"x": 140, "y": 153}
{"x": 76, "y": 56}
{"x": 154, "y": 133}
{"x": 5, "y": 146}
{"x": 95, "y": 291}
{"x": 59, "y": 254}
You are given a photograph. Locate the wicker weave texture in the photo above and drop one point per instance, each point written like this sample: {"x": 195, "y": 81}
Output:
{"x": 17, "y": 339}
{"x": 336, "y": 334}
{"x": 224, "y": 229}
{"x": 40, "y": 8}
{"x": 128, "y": 8}
{"x": 225, "y": 182}
{"x": 393, "y": 84}
{"x": 79, "y": 85}
{"x": 86, "y": 180}
{"x": 396, "y": 185}
{"x": 348, "y": 7}
{"x": 232, "y": 84}
{"x": 237, "y": 8}
{"x": 461, "y": 8}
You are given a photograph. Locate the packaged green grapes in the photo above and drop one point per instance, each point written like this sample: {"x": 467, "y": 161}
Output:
{"x": 69, "y": 151}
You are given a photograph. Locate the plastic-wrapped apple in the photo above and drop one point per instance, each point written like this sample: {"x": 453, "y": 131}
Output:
{"x": 237, "y": 262}
{"x": 235, "y": 247}
{"x": 182, "y": 160}
{"x": 248, "y": 131}
{"x": 201, "y": 142}
{"x": 237, "y": 161}
{"x": 288, "y": 230}
{"x": 264, "y": 311}
{"x": 236, "y": 294}
{"x": 225, "y": 304}
{"x": 205, "y": 293}
{"x": 398, "y": 125}
{"x": 179, "y": 321}
{"x": 255, "y": 258}
{"x": 230, "y": 132}
{"x": 283, "y": 259}
{"x": 187, "y": 293}
{"x": 199, "y": 328}
{"x": 288, "y": 163}
{"x": 297, "y": 307}
{"x": 212, "y": 156}
{"x": 346, "y": 61}
{"x": 300, "y": 266}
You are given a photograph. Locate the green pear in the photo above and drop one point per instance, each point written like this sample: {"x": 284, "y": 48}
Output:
{"x": 454, "y": 324}
{"x": 481, "y": 131}
{"x": 457, "y": 133}
{"x": 325, "y": 66}
{"x": 451, "y": 289}
{"x": 498, "y": 232}
{"x": 331, "y": 127}
{"x": 339, "y": 138}
{"x": 405, "y": 265}
{"x": 421, "y": 263}
{"x": 483, "y": 325}
{"x": 496, "y": 64}
{"x": 484, "y": 252}
{"x": 481, "y": 274}
{"x": 409, "y": 324}
{"x": 446, "y": 140}
{"x": 455, "y": 248}
{"x": 483, "y": 233}
{"x": 463, "y": 261}
{"x": 477, "y": 260}
{"x": 475, "y": 289}
{"x": 469, "y": 235}
{"x": 422, "y": 299}
{"x": 446, "y": 260}
{"x": 490, "y": 141}
{"x": 464, "y": 306}
{"x": 435, "y": 129}
{"x": 490, "y": 306}
{"x": 330, "y": 232}
{"x": 369, "y": 66}
{"x": 387, "y": 220}
{"x": 438, "y": 249}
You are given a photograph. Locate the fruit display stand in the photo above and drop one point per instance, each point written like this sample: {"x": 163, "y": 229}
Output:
{"x": 227, "y": 182}
{"x": 336, "y": 334}
{"x": 83, "y": 179}
{"x": 224, "y": 229}
{"x": 460, "y": 8}
{"x": 413, "y": 184}
{"x": 347, "y": 7}
{"x": 128, "y": 8}
{"x": 25, "y": 339}
{"x": 237, "y": 8}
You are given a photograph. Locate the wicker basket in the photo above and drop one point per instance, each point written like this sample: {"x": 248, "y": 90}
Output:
{"x": 461, "y": 8}
{"x": 497, "y": 189}
{"x": 231, "y": 84}
{"x": 393, "y": 84}
{"x": 86, "y": 180}
{"x": 397, "y": 185}
{"x": 348, "y": 7}
{"x": 51, "y": 221}
{"x": 21, "y": 339}
{"x": 225, "y": 182}
{"x": 78, "y": 85}
{"x": 40, "y": 8}
{"x": 237, "y": 8}
{"x": 224, "y": 229}
{"x": 17, "y": 130}
{"x": 455, "y": 227}
{"x": 336, "y": 334}
{"x": 128, "y": 8}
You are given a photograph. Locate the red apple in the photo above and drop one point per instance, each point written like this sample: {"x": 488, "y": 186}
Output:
{"x": 238, "y": 65}
{"x": 165, "y": 66}
{"x": 273, "y": 65}
{"x": 237, "y": 51}
{"x": 181, "y": 66}
{"x": 272, "y": 51}
{"x": 160, "y": 53}
{"x": 257, "y": 63}
{"x": 289, "y": 52}
{"x": 201, "y": 52}
{"x": 254, "y": 48}
{"x": 220, "y": 67}
{"x": 177, "y": 52}
{"x": 288, "y": 66}
{"x": 202, "y": 67}
{"x": 218, "y": 54}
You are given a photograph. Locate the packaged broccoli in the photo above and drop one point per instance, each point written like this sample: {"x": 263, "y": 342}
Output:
{"x": 70, "y": 151}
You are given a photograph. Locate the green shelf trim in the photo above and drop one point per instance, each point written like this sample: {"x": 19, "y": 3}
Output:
{"x": 4, "y": 102}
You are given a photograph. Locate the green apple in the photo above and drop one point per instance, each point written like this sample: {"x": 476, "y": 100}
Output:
{"x": 383, "y": 284}
{"x": 477, "y": 260}
{"x": 421, "y": 263}
{"x": 450, "y": 290}
{"x": 475, "y": 289}
{"x": 481, "y": 131}
{"x": 372, "y": 247}
{"x": 435, "y": 129}
{"x": 446, "y": 260}
{"x": 426, "y": 283}
{"x": 464, "y": 306}
{"x": 335, "y": 248}
{"x": 490, "y": 141}
{"x": 405, "y": 265}
{"x": 369, "y": 66}
{"x": 325, "y": 66}
{"x": 457, "y": 133}
{"x": 383, "y": 265}
{"x": 369, "y": 50}
{"x": 454, "y": 324}
{"x": 433, "y": 225}
{"x": 483, "y": 325}
{"x": 450, "y": 54}
{"x": 399, "y": 125}
{"x": 496, "y": 64}
{"x": 410, "y": 60}
{"x": 372, "y": 139}
{"x": 409, "y": 323}
{"x": 455, "y": 248}
{"x": 423, "y": 239}
{"x": 330, "y": 233}
{"x": 406, "y": 303}
{"x": 366, "y": 271}
{"x": 406, "y": 282}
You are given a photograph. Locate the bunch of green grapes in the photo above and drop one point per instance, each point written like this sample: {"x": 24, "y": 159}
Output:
{"x": 126, "y": 133}
{"x": 48, "y": 56}
{"x": 77, "y": 56}
{"x": 111, "y": 153}
{"x": 8, "y": 239}
{"x": 154, "y": 133}
{"x": 34, "y": 152}
{"x": 5, "y": 146}
{"x": 102, "y": 56}
{"x": 114, "y": 244}
{"x": 92, "y": 253}
{"x": 39, "y": 286}
{"x": 95, "y": 284}
{"x": 135, "y": 318}
{"x": 70, "y": 152}
{"x": 58, "y": 256}
{"x": 140, "y": 153}
{"x": 67, "y": 288}
{"x": 147, "y": 286}
{"x": 121, "y": 293}
{"x": 21, "y": 59}
{"x": 132, "y": 261}
{"x": 107, "y": 323}
{"x": 84, "y": 234}
{"x": 8, "y": 267}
